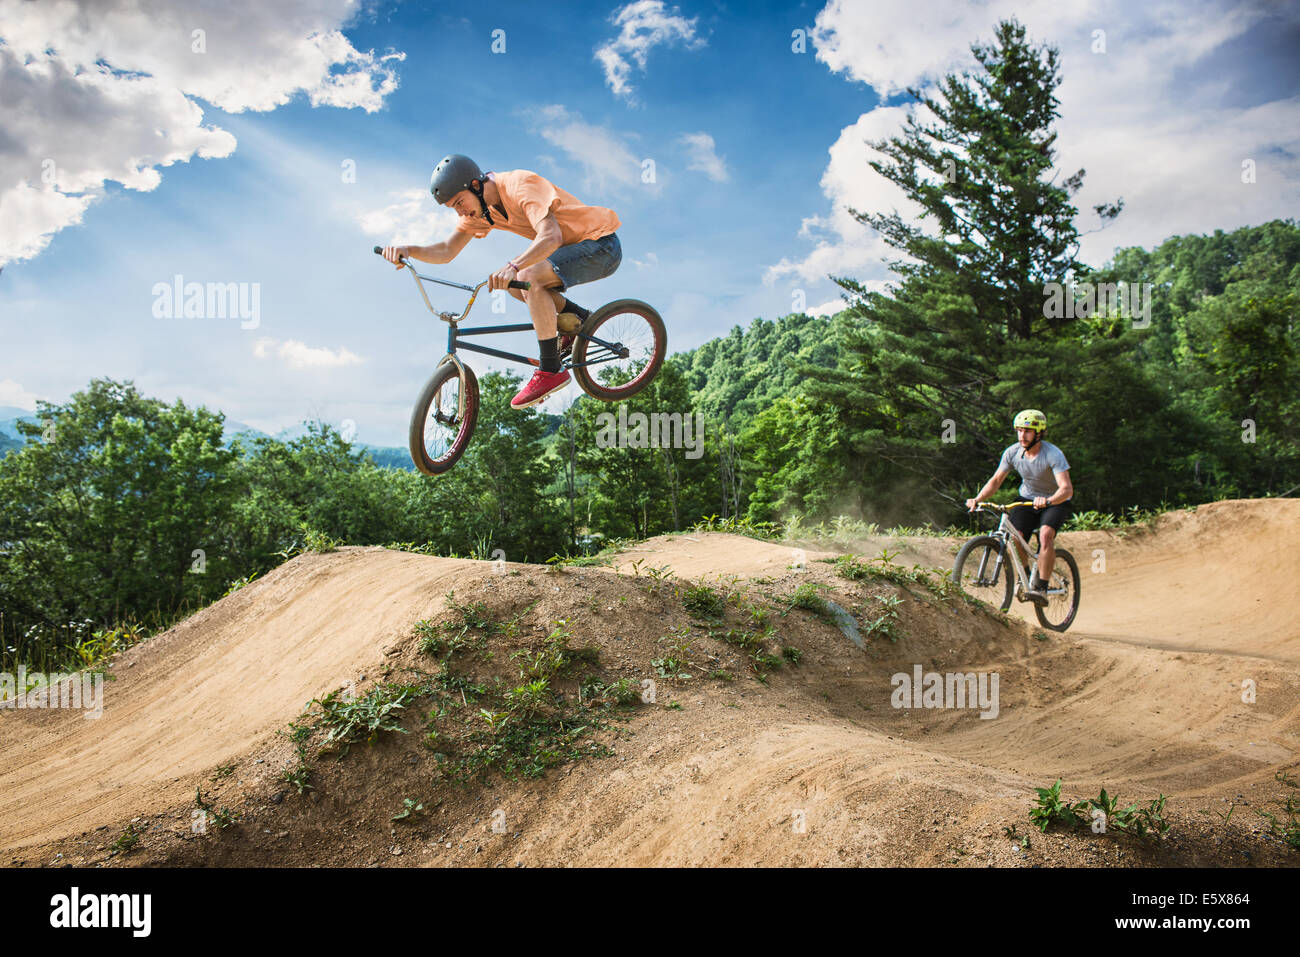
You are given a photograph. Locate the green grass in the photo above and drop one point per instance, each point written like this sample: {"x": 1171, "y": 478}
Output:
{"x": 348, "y": 722}
{"x": 703, "y": 602}
{"x": 740, "y": 526}
{"x": 125, "y": 842}
{"x": 1143, "y": 822}
{"x": 886, "y": 623}
{"x": 807, "y": 597}
{"x": 1285, "y": 823}
{"x": 675, "y": 659}
{"x": 309, "y": 540}
{"x": 238, "y": 583}
{"x": 1133, "y": 517}
{"x": 222, "y": 818}
{"x": 410, "y": 806}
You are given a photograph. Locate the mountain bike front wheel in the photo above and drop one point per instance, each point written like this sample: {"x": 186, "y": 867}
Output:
{"x": 442, "y": 422}
{"x": 983, "y": 571}
{"x": 624, "y": 342}
{"x": 1062, "y": 594}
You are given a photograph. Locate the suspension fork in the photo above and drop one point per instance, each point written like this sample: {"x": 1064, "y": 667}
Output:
{"x": 997, "y": 561}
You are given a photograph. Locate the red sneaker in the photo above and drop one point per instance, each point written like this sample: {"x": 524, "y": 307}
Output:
{"x": 566, "y": 346}
{"x": 539, "y": 387}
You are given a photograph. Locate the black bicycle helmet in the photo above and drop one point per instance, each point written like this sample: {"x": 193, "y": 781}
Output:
{"x": 454, "y": 173}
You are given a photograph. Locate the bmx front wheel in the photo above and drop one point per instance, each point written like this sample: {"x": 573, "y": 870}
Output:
{"x": 625, "y": 343}
{"x": 1062, "y": 594}
{"x": 442, "y": 422}
{"x": 982, "y": 571}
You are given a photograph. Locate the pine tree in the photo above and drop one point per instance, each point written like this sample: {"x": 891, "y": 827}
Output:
{"x": 924, "y": 386}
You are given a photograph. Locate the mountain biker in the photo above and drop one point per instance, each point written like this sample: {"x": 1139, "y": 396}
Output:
{"x": 1045, "y": 481}
{"x": 571, "y": 243}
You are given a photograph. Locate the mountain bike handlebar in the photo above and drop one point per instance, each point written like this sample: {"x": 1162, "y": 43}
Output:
{"x": 994, "y": 507}
{"x": 514, "y": 283}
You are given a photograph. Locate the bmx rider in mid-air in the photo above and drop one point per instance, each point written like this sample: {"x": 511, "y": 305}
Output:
{"x": 572, "y": 243}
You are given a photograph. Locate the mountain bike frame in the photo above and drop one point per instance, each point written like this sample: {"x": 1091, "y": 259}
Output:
{"x": 1008, "y": 533}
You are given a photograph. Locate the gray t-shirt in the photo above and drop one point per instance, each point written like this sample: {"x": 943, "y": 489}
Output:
{"x": 1036, "y": 473}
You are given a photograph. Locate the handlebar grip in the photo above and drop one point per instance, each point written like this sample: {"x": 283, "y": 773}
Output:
{"x": 379, "y": 250}
{"x": 516, "y": 284}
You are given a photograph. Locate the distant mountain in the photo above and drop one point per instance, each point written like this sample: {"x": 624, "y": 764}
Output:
{"x": 13, "y": 412}
{"x": 390, "y": 457}
{"x": 384, "y": 456}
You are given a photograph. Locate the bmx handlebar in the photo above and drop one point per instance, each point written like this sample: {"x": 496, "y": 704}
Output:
{"x": 514, "y": 283}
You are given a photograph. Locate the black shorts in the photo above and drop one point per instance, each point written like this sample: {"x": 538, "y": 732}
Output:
{"x": 1027, "y": 520}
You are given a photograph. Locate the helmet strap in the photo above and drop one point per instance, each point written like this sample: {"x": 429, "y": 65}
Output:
{"x": 487, "y": 213}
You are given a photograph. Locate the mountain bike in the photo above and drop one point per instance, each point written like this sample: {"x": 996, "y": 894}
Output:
{"x": 626, "y": 338}
{"x": 983, "y": 569}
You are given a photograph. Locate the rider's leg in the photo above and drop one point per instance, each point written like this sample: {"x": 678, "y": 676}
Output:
{"x": 1024, "y": 524}
{"x": 556, "y": 296}
{"x": 540, "y": 297}
{"x": 1046, "y": 552}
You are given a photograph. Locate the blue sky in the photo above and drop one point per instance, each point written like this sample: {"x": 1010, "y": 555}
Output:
{"x": 757, "y": 151}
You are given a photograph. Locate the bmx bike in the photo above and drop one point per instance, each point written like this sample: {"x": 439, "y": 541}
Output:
{"x": 984, "y": 570}
{"x": 626, "y": 338}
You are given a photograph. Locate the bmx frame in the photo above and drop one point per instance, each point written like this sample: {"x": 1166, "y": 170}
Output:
{"x": 455, "y": 334}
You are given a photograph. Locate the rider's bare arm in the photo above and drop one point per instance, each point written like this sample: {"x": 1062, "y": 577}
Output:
{"x": 1064, "y": 488}
{"x": 443, "y": 252}
{"x": 991, "y": 486}
{"x": 548, "y": 240}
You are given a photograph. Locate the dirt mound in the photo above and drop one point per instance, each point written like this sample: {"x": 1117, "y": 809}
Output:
{"x": 809, "y": 756}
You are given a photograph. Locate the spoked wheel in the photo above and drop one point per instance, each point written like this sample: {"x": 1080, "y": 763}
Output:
{"x": 626, "y": 346}
{"x": 1062, "y": 594}
{"x": 443, "y": 420}
{"x": 979, "y": 572}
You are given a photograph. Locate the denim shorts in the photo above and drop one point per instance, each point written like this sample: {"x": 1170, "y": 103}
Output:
{"x": 586, "y": 261}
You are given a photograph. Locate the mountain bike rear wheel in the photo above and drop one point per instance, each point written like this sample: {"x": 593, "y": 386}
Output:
{"x": 1062, "y": 594}
{"x": 982, "y": 570}
{"x": 442, "y": 422}
{"x": 627, "y": 346}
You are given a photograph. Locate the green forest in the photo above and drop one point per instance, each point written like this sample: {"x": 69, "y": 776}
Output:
{"x": 120, "y": 508}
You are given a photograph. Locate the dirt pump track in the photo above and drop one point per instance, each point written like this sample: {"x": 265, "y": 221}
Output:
{"x": 1144, "y": 695}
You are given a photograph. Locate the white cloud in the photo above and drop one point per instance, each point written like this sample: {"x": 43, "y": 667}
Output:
{"x": 651, "y": 261}
{"x": 105, "y": 90}
{"x": 13, "y": 394}
{"x": 605, "y": 156}
{"x": 1141, "y": 118}
{"x": 414, "y": 218}
{"x": 642, "y": 25}
{"x": 702, "y": 155}
{"x": 845, "y": 247}
{"x": 299, "y": 355}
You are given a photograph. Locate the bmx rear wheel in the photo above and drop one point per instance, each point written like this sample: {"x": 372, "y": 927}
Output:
{"x": 620, "y": 350}
{"x": 1062, "y": 594}
{"x": 442, "y": 422}
{"x": 983, "y": 572}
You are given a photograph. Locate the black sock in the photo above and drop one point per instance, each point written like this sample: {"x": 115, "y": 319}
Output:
{"x": 571, "y": 306}
{"x": 550, "y": 354}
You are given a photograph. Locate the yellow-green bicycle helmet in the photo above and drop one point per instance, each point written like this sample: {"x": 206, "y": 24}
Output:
{"x": 1030, "y": 419}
